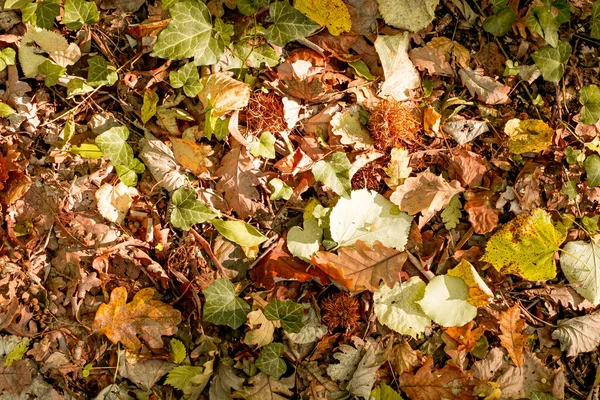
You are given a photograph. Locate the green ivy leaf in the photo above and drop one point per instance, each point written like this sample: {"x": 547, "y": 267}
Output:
{"x": 87, "y": 150}
{"x": 222, "y": 306}
{"x": 590, "y": 223}
{"x": 239, "y": 232}
{"x": 592, "y": 170}
{"x": 188, "y": 34}
{"x": 249, "y": 7}
{"x": 52, "y": 71}
{"x": 6, "y": 110}
{"x": 445, "y": 301}
{"x": 541, "y": 396}
{"x": 526, "y": 246}
{"x": 189, "y": 211}
{"x": 551, "y": 61}
{"x": 113, "y": 143}
{"x": 279, "y": 190}
{"x": 149, "y": 105}
{"x": 499, "y": 24}
{"x": 451, "y": 214}
{"x": 288, "y": 24}
{"x": 100, "y": 72}
{"x": 128, "y": 173}
{"x": 335, "y": 173}
{"x": 303, "y": 243}
{"x": 14, "y": 4}
{"x": 257, "y": 56}
{"x": 78, "y": 86}
{"x": 288, "y": 312}
{"x": 187, "y": 78}
{"x": 178, "y": 351}
{"x": 46, "y": 12}
{"x": 79, "y": 12}
{"x": 541, "y": 20}
{"x": 7, "y": 57}
{"x": 589, "y": 96}
{"x": 595, "y": 33}
{"x": 270, "y": 362}
{"x": 265, "y": 147}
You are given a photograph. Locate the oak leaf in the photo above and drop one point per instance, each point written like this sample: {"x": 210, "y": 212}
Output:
{"x": 512, "y": 337}
{"x": 143, "y": 316}
{"x": 362, "y": 267}
{"x": 428, "y": 384}
{"x": 465, "y": 336}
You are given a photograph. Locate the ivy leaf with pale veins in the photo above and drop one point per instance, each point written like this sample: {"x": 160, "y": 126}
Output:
{"x": 580, "y": 262}
{"x": 288, "y": 24}
{"x": 188, "y": 211}
{"x": 113, "y": 143}
{"x": 595, "y": 33}
{"x": 270, "y": 361}
{"x": 589, "y": 97}
{"x": 289, "y": 313}
{"x": 551, "y": 60}
{"x": 129, "y": 173}
{"x": 222, "y": 306}
{"x": 592, "y": 170}
{"x": 188, "y": 33}
{"x": 335, "y": 173}
{"x": 264, "y": 147}
{"x": 143, "y": 316}
{"x": 279, "y": 190}
{"x": 100, "y": 72}
{"x": 52, "y": 71}
{"x": 186, "y": 77}
{"x": 79, "y": 12}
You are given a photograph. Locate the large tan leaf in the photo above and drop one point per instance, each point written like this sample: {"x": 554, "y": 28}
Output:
{"x": 363, "y": 267}
{"x": 448, "y": 383}
{"x": 192, "y": 155}
{"x": 223, "y": 93}
{"x": 144, "y": 317}
{"x": 512, "y": 337}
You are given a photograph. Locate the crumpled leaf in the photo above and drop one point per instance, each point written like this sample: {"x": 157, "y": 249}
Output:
{"x": 483, "y": 87}
{"x": 445, "y": 301}
{"x": 333, "y": 14}
{"x": 578, "y": 335}
{"x": 412, "y": 15}
{"x": 512, "y": 337}
{"x": 426, "y": 193}
{"x": 312, "y": 329}
{"x": 400, "y": 73}
{"x": 188, "y": 211}
{"x": 589, "y": 97}
{"x": 270, "y": 361}
{"x": 526, "y": 246}
{"x": 436, "y": 55}
{"x": 580, "y": 262}
{"x": 51, "y": 43}
{"x": 222, "y": 306}
{"x": 143, "y": 316}
{"x": 363, "y": 267}
{"x": 289, "y": 24}
{"x": 335, "y": 173}
{"x": 220, "y": 94}
{"x": 192, "y": 155}
{"x": 448, "y": 383}
{"x": 347, "y": 125}
{"x": 303, "y": 243}
{"x": 529, "y": 135}
{"x": 398, "y": 307}
{"x": 465, "y": 130}
{"x": 114, "y": 201}
{"x": 369, "y": 217}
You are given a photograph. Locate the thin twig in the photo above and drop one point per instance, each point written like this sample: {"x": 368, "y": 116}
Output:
{"x": 206, "y": 246}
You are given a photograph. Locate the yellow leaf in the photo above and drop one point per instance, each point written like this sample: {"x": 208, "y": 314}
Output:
{"x": 333, "y": 14}
{"x": 529, "y": 135}
{"x": 192, "y": 155}
{"x": 479, "y": 294}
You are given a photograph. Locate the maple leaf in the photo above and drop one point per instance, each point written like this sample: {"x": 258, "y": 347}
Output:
{"x": 512, "y": 337}
{"x": 362, "y": 267}
{"x": 448, "y": 383}
{"x": 123, "y": 322}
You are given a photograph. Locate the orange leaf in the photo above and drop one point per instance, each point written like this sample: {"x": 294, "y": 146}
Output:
{"x": 361, "y": 267}
{"x": 148, "y": 318}
{"x": 192, "y": 155}
{"x": 465, "y": 335}
{"x": 448, "y": 383}
{"x": 512, "y": 338}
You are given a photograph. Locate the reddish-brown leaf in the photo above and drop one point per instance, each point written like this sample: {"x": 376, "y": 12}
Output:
{"x": 448, "y": 383}
{"x": 465, "y": 335}
{"x": 512, "y": 337}
{"x": 15, "y": 377}
{"x": 482, "y": 213}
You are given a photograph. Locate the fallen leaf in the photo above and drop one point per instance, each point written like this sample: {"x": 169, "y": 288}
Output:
{"x": 192, "y": 155}
{"x": 580, "y": 262}
{"x": 479, "y": 294}
{"x": 465, "y": 335}
{"x": 533, "y": 376}
{"x": 445, "y": 301}
{"x": 578, "y": 335}
{"x": 512, "y": 337}
{"x": 222, "y": 306}
{"x": 398, "y": 169}
{"x": 347, "y": 125}
{"x": 143, "y": 316}
{"x": 114, "y": 201}
{"x": 467, "y": 167}
{"x": 161, "y": 162}
{"x": 51, "y": 43}
{"x": 400, "y": 74}
{"x": 404, "y": 358}
{"x": 333, "y": 14}
{"x": 465, "y": 130}
{"x": 484, "y": 88}
{"x": 408, "y": 14}
{"x": 15, "y": 377}
{"x": 530, "y": 135}
{"x": 448, "y": 383}
{"x": 483, "y": 216}
{"x": 220, "y": 94}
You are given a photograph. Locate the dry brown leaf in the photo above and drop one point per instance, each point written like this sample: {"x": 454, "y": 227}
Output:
{"x": 362, "y": 267}
{"x": 294, "y": 163}
{"x": 483, "y": 216}
{"x": 533, "y": 376}
{"x": 192, "y": 155}
{"x": 466, "y": 167}
{"x": 448, "y": 383}
{"x": 238, "y": 183}
{"x": 512, "y": 337}
{"x": 123, "y": 322}
{"x": 484, "y": 88}
{"x": 404, "y": 358}
{"x": 15, "y": 377}
{"x": 465, "y": 335}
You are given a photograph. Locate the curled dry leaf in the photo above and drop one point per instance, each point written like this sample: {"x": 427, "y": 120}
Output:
{"x": 512, "y": 337}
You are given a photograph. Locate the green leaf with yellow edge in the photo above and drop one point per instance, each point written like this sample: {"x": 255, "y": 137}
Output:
{"x": 479, "y": 294}
{"x": 529, "y": 135}
{"x": 149, "y": 105}
{"x": 222, "y": 306}
{"x": 178, "y": 351}
{"x": 239, "y": 232}
{"x": 333, "y": 14}
{"x": 526, "y": 246}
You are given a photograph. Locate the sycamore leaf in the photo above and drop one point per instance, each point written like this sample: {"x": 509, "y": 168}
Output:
{"x": 483, "y": 87}
{"x": 303, "y": 243}
{"x": 479, "y": 294}
{"x": 149, "y": 105}
{"x": 400, "y": 73}
{"x": 369, "y": 217}
{"x": 529, "y": 135}
{"x": 222, "y": 306}
{"x": 551, "y": 60}
{"x": 335, "y": 173}
{"x": 188, "y": 211}
{"x": 128, "y": 173}
{"x": 512, "y": 337}
{"x": 398, "y": 169}
{"x": 398, "y": 307}
{"x": 186, "y": 77}
{"x": 526, "y": 246}
{"x": 279, "y": 190}
{"x": 361, "y": 267}
{"x": 263, "y": 335}
{"x": 49, "y": 42}
{"x": 592, "y": 170}
{"x": 347, "y": 125}
{"x": 100, "y": 72}
{"x": 580, "y": 262}
{"x": 264, "y": 147}
{"x": 288, "y": 24}
{"x": 114, "y": 202}
{"x": 178, "y": 351}
{"x": 113, "y": 143}
{"x": 412, "y": 15}
{"x": 188, "y": 34}
{"x": 221, "y": 94}
{"x": 589, "y": 97}
{"x": 270, "y": 362}
{"x": 239, "y": 232}
{"x": 52, "y": 71}
{"x": 287, "y": 312}
{"x": 595, "y": 33}
{"x": 445, "y": 301}
{"x": 143, "y": 316}
{"x": 333, "y": 14}
{"x": 579, "y": 335}
{"x": 500, "y": 22}
{"x": 448, "y": 383}
{"x": 79, "y": 12}
{"x": 426, "y": 193}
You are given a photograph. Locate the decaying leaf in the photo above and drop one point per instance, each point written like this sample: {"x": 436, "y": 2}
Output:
{"x": 333, "y": 14}
{"x": 411, "y": 15}
{"x": 428, "y": 383}
{"x": 528, "y": 135}
{"x": 578, "y": 335}
{"x": 400, "y": 73}
{"x": 580, "y": 262}
{"x": 484, "y": 88}
{"x": 114, "y": 201}
{"x": 220, "y": 94}
{"x": 51, "y": 43}
{"x": 512, "y": 337}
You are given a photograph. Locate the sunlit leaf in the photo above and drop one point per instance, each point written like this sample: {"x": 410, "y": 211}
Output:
{"x": 188, "y": 211}
{"x": 113, "y": 143}
{"x": 408, "y": 14}
{"x": 279, "y": 190}
{"x": 7, "y": 57}
{"x": 303, "y": 243}
{"x": 288, "y": 24}
{"x": 335, "y": 173}
{"x": 239, "y": 232}
{"x": 333, "y": 14}
{"x": 187, "y": 78}
{"x": 287, "y": 312}
{"x": 52, "y": 71}
{"x": 222, "y": 306}
{"x": 129, "y": 173}
{"x": 445, "y": 301}
{"x": 79, "y": 12}
{"x": 580, "y": 262}
{"x": 529, "y": 135}
{"x": 265, "y": 147}
{"x": 100, "y": 72}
